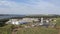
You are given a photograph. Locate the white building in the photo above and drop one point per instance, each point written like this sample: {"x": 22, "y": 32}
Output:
{"x": 21, "y": 21}
{"x": 30, "y": 19}
{"x": 13, "y": 21}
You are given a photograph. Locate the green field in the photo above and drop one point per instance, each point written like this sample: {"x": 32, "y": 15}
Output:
{"x": 38, "y": 30}
{"x": 5, "y": 30}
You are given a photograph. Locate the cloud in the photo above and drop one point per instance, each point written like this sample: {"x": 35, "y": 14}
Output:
{"x": 56, "y": 2}
{"x": 28, "y": 7}
{"x": 8, "y": 4}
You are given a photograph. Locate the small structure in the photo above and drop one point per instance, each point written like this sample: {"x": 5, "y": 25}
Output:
{"x": 30, "y": 19}
{"x": 16, "y": 22}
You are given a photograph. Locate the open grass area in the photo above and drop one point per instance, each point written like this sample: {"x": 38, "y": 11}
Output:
{"x": 5, "y": 30}
{"x": 37, "y": 30}
{"x": 34, "y": 30}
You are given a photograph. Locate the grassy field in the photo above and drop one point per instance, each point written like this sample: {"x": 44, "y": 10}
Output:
{"x": 5, "y": 30}
{"x": 34, "y": 30}
{"x": 37, "y": 30}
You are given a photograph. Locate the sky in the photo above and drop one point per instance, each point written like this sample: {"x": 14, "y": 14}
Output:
{"x": 29, "y": 6}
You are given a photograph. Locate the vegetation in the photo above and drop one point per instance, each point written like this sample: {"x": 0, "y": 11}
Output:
{"x": 57, "y": 21}
{"x": 5, "y": 30}
{"x": 35, "y": 30}
{"x": 2, "y": 22}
